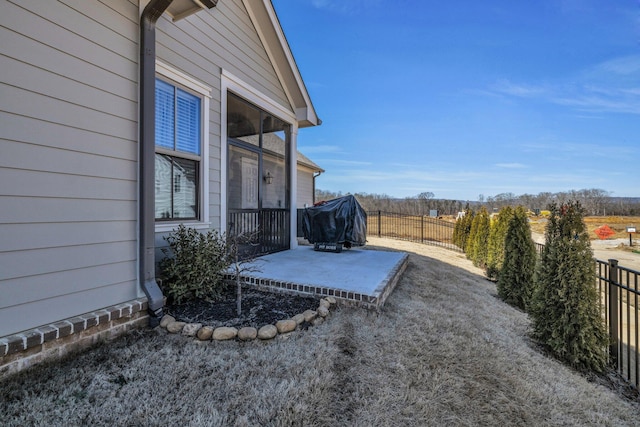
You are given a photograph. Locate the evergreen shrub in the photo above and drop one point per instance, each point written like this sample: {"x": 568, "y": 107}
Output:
{"x": 476, "y": 248}
{"x": 565, "y": 305}
{"x": 194, "y": 265}
{"x": 495, "y": 244}
{"x": 515, "y": 282}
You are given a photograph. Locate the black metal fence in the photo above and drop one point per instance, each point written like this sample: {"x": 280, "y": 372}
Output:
{"x": 420, "y": 229}
{"x": 618, "y": 290}
{"x": 619, "y": 293}
{"x": 618, "y": 286}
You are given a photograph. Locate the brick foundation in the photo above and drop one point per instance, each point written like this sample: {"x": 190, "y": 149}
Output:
{"x": 28, "y": 348}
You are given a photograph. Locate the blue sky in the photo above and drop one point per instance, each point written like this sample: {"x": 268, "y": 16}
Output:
{"x": 462, "y": 98}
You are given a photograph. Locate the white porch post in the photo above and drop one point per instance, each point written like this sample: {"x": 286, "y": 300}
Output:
{"x": 293, "y": 185}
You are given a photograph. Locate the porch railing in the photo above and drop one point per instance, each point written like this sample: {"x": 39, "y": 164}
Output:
{"x": 262, "y": 231}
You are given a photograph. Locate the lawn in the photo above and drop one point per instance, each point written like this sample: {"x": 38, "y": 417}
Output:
{"x": 444, "y": 350}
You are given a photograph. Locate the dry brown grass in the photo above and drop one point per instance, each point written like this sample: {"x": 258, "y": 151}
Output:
{"x": 443, "y": 351}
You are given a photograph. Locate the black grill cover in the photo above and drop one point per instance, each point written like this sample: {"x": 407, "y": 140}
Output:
{"x": 338, "y": 221}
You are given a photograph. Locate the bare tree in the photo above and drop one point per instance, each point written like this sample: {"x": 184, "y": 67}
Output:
{"x": 242, "y": 260}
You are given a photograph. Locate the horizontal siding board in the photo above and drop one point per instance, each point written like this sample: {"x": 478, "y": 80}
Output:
{"x": 18, "y": 264}
{"x": 40, "y": 55}
{"x": 15, "y": 182}
{"x": 19, "y": 74}
{"x": 238, "y": 34}
{"x": 232, "y": 46}
{"x": 98, "y": 25}
{"x": 305, "y": 188}
{"x": 30, "y": 104}
{"x": 104, "y": 17}
{"x": 40, "y": 158}
{"x": 19, "y": 237}
{"x": 35, "y": 288}
{"x": 31, "y": 25}
{"x": 22, "y": 317}
{"x": 127, "y": 8}
{"x": 54, "y": 135}
{"x": 257, "y": 63}
{"x": 25, "y": 210}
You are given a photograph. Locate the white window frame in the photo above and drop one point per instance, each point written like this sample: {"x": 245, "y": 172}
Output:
{"x": 167, "y": 72}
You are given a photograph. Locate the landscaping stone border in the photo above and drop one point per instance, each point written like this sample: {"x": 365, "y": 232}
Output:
{"x": 267, "y": 332}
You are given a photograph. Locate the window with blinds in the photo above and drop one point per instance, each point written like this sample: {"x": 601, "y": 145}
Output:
{"x": 178, "y": 150}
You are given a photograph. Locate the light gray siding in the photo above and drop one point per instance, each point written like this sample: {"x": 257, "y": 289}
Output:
{"x": 201, "y": 46}
{"x": 68, "y": 169}
{"x": 305, "y": 188}
{"x": 68, "y": 143}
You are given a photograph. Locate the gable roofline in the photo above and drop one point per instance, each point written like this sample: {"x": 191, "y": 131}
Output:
{"x": 264, "y": 18}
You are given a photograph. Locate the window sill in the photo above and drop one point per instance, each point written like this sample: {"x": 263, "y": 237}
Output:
{"x": 163, "y": 227}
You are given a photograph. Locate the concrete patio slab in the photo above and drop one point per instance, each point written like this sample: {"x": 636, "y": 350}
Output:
{"x": 357, "y": 276}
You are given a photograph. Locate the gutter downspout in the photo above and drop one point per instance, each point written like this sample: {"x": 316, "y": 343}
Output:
{"x": 315, "y": 175}
{"x": 146, "y": 180}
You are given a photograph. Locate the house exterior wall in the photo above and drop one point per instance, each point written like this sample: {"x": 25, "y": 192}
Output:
{"x": 305, "y": 187}
{"x": 68, "y": 169}
{"x": 201, "y": 46}
{"x": 69, "y": 143}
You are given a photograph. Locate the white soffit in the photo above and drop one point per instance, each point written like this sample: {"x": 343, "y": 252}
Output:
{"x": 179, "y": 9}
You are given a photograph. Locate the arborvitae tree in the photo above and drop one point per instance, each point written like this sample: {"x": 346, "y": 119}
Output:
{"x": 473, "y": 230}
{"x": 457, "y": 232}
{"x": 495, "y": 245}
{"x": 477, "y": 243}
{"x": 515, "y": 283}
{"x": 565, "y": 303}
{"x": 464, "y": 228}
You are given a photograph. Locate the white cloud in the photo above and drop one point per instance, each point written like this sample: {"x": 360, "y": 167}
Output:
{"x": 506, "y": 87}
{"x": 624, "y": 65}
{"x": 511, "y": 165}
{"x": 611, "y": 86}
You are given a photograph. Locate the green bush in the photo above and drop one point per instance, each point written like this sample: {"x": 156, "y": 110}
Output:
{"x": 463, "y": 228}
{"x": 495, "y": 244}
{"x": 476, "y": 248}
{"x": 565, "y": 305}
{"x": 194, "y": 265}
{"x": 515, "y": 282}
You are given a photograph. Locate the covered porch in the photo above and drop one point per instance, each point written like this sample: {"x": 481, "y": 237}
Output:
{"x": 359, "y": 276}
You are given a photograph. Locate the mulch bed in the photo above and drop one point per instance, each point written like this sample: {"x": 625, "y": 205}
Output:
{"x": 259, "y": 308}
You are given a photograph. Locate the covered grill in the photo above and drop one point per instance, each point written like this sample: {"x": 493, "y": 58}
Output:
{"x": 335, "y": 224}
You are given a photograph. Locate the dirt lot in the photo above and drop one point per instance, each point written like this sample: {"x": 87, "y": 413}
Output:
{"x": 615, "y": 247}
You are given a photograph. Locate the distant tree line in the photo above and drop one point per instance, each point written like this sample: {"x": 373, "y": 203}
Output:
{"x": 595, "y": 202}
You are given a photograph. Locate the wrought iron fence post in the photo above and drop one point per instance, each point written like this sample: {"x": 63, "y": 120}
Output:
{"x": 379, "y": 224}
{"x": 613, "y": 310}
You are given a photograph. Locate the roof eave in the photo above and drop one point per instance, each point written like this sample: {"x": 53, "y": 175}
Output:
{"x": 268, "y": 27}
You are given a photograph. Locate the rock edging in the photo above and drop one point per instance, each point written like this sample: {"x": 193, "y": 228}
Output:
{"x": 267, "y": 332}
